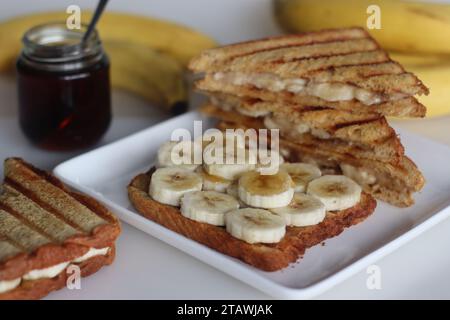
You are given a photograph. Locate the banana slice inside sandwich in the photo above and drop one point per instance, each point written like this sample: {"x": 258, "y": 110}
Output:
{"x": 337, "y": 192}
{"x": 171, "y": 151}
{"x": 301, "y": 174}
{"x": 228, "y": 164}
{"x": 266, "y": 191}
{"x": 207, "y": 206}
{"x": 213, "y": 183}
{"x": 304, "y": 210}
{"x": 168, "y": 185}
{"x": 255, "y": 225}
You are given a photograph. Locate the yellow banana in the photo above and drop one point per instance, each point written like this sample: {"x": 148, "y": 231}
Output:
{"x": 155, "y": 76}
{"x": 178, "y": 41}
{"x": 147, "y": 55}
{"x": 434, "y": 71}
{"x": 405, "y": 25}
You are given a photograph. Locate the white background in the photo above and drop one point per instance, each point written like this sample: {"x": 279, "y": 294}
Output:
{"x": 145, "y": 267}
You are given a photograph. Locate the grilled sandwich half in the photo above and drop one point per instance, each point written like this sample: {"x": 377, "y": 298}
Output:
{"x": 328, "y": 92}
{"x": 360, "y": 135}
{"x": 343, "y": 69}
{"x": 45, "y": 229}
{"x": 392, "y": 183}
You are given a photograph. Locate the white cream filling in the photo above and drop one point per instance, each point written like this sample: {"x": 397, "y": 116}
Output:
{"x": 253, "y": 113}
{"x": 50, "y": 272}
{"x": 7, "y": 285}
{"x": 93, "y": 252}
{"x": 325, "y": 91}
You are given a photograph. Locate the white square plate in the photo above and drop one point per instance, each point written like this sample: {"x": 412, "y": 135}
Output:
{"x": 105, "y": 173}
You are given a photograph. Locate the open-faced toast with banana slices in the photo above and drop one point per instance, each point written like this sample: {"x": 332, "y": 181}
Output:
{"x": 267, "y": 220}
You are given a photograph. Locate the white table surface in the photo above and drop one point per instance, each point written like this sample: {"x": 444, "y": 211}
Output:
{"x": 147, "y": 268}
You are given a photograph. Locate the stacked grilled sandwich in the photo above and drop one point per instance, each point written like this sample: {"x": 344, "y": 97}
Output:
{"x": 329, "y": 93}
{"x": 47, "y": 231}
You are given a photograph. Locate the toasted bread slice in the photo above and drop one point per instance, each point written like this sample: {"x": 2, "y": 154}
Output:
{"x": 268, "y": 257}
{"x": 45, "y": 224}
{"x": 365, "y": 137}
{"x": 395, "y": 184}
{"x": 220, "y": 55}
{"x": 349, "y": 71}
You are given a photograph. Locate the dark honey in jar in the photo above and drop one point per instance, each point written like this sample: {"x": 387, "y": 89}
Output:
{"x": 63, "y": 88}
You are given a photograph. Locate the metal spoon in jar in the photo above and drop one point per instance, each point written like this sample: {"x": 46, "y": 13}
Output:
{"x": 98, "y": 12}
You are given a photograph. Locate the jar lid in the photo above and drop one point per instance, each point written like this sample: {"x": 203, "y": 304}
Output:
{"x": 53, "y": 45}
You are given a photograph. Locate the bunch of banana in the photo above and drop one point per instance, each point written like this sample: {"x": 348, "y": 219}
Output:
{"x": 405, "y": 25}
{"x": 155, "y": 76}
{"x": 147, "y": 55}
{"x": 434, "y": 71}
{"x": 417, "y": 31}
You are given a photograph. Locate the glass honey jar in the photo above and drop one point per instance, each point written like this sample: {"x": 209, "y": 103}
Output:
{"x": 63, "y": 87}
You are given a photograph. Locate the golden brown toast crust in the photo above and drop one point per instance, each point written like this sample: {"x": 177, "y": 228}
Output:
{"x": 75, "y": 246}
{"x": 218, "y": 55}
{"x": 262, "y": 256}
{"x": 37, "y": 289}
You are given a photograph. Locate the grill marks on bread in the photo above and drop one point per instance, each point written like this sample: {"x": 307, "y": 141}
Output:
{"x": 47, "y": 194}
{"x": 52, "y": 225}
{"x": 216, "y": 56}
{"x": 35, "y": 211}
{"x": 347, "y": 56}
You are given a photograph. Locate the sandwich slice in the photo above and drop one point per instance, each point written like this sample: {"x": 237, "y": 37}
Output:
{"x": 361, "y": 135}
{"x": 343, "y": 69}
{"x": 364, "y": 148}
{"x": 328, "y": 93}
{"x": 394, "y": 183}
{"x": 47, "y": 231}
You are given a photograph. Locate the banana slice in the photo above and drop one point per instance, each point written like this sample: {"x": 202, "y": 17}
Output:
{"x": 207, "y": 206}
{"x": 301, "y": 174}
{"x": 269, "y": 162}
{"x": 171, "y": 150}
{"x": 304, "y": 210}
{"x": 168, "y": 185}
{"x": 227, "y": 164}
{"x": 208, "y": 137}
{"x": 213, "y": 183}
{"x": 233, "y": 191}
{"x": 252, "y": 112}
{"x": 255, "y": 225}
{"x": 337, "y": 192}
{"x": 266, "y": 191}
